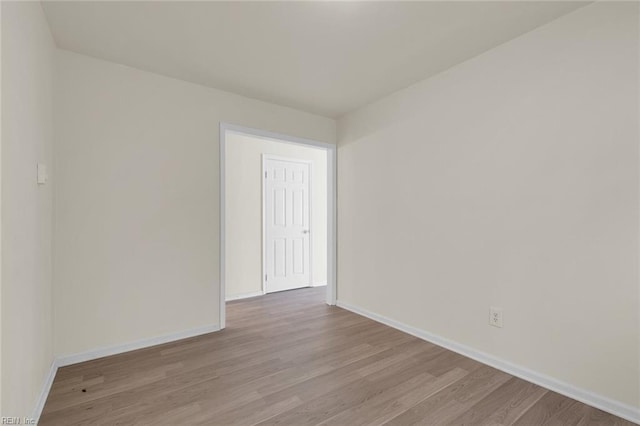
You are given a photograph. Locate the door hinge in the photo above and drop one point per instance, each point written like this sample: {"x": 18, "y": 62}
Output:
{"x": 265, "y": 175}
{"x": 265, "y": 278}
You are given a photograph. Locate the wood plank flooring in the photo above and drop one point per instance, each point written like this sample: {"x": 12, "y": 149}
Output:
{"x": 289, "y": 359}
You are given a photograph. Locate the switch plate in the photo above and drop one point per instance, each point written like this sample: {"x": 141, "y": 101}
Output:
{"x": 495, "y": 317}
{"x": 42, "y": 174}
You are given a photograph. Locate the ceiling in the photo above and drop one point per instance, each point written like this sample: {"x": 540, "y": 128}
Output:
{"x": 327, "y": 58}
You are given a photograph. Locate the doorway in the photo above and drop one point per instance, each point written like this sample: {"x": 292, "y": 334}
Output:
{"x": 287, "y": 224}
{"x": 277, "y": 214}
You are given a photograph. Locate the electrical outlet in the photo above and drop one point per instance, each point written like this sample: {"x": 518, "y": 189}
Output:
{"x": 495, "y": 317}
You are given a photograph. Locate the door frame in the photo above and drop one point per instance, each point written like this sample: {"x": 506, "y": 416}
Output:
{"x": 265, "y": 158}
{"x": 331, "y": 205}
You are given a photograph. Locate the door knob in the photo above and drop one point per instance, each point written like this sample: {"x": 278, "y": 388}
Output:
{"x": 306, "y": 231}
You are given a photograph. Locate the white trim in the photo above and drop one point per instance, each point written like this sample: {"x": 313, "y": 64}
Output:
{"x": 331, "y": 205}
{"x": 263, "y": 216}
{"x": 65, "y": 360}
{"x": 244, "y": 296}
{"x": 318, "y": 284}
{"x": 222, "y": 226}
{"x": 276, "y": 137}
{"x": 332, "y": 220}
{"x": 44, "y": 393}
{"x": 265, "y": 158}
{"x": 616, "y": 408}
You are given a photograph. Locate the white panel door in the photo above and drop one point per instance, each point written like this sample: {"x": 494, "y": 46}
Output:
{"x": 286, "y": 223}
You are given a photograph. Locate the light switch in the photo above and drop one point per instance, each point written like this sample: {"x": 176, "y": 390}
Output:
{"x": 42, "y": 174}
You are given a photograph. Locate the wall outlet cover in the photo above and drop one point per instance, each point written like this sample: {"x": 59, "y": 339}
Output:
{"x": 495, "y": 317}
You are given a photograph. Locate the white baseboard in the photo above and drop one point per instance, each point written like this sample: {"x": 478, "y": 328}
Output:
{"x": 63, "y": 361}
{"x": 260, "y": 293}
{"x": 244, "y": 296}
{"x": 44, "y": 392}
{"x": 603, "y": 403}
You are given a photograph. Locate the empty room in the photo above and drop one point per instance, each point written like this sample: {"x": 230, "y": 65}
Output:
{"x": 320, "y": 213}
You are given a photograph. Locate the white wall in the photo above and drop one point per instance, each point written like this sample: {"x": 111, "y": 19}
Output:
{"x": 1, "y": 212}
{"x": 510, "y": 180}
{"x": 136, "y": 215}
{"x": 27, "y": 138}
{"x": 243, "y": 238}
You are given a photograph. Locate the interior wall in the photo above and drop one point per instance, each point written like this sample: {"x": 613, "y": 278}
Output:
{"x": 137, "y": 211}
{"x": 1, "y": 213}
{"x": 243, "y": 203}
{"x": 510, "y": 180}
{"x": 27, "y": 139}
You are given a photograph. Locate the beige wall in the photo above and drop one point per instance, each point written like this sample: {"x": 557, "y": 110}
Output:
{"x": 243, "y": 204}
{"x": 27, "y": 331}
{"x": 510, "y": 180}
{"x": 136, "y": 219}
{"x": 1, "y": 334}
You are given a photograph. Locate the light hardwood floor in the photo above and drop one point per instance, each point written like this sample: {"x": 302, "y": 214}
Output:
{"x": 289, "y": 359}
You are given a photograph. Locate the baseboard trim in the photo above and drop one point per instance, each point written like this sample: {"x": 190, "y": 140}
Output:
{"x": 65, "y": 360}
{"x": 320, "y": 284}
{"x": 244, "y": 296}
{"x": 603, "y": 403}
{"x": 44, "y": 392}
